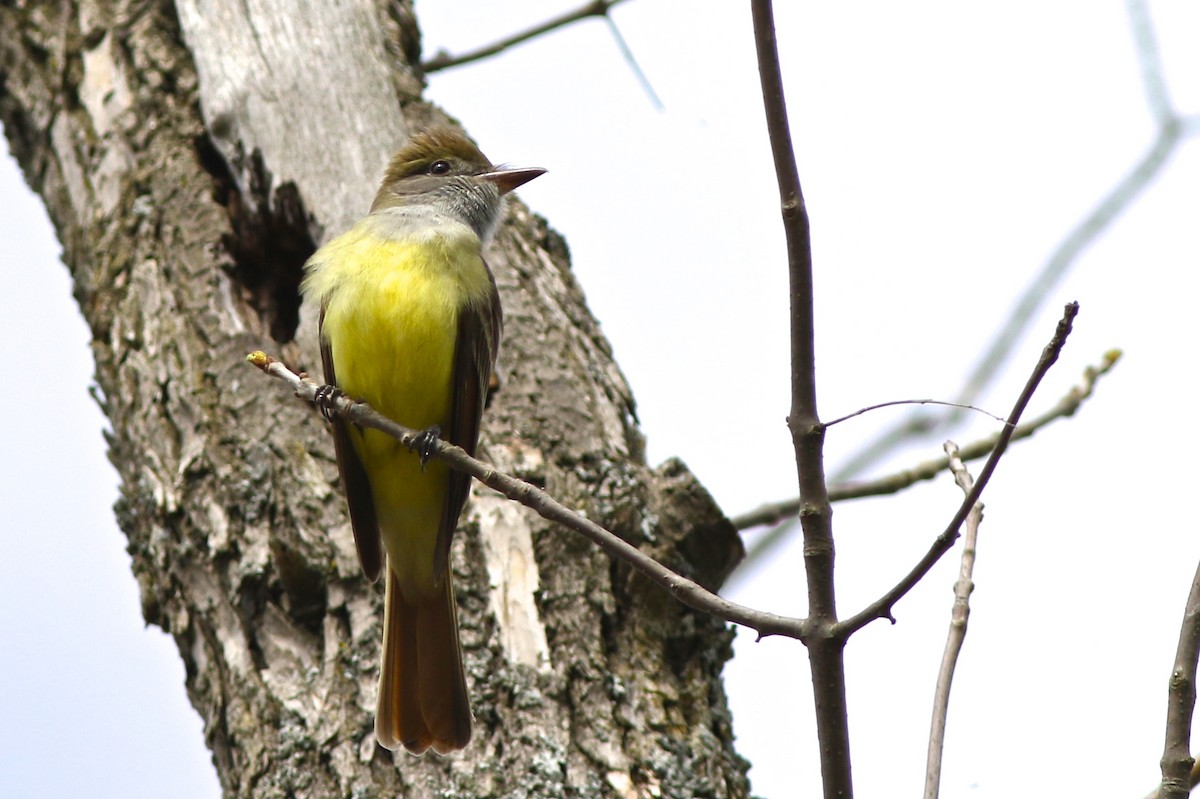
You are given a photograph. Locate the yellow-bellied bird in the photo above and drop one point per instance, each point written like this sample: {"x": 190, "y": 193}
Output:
{"x": 410, "y": 323}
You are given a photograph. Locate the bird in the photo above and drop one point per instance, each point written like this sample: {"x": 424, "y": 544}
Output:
{"x": 410, "y": 323}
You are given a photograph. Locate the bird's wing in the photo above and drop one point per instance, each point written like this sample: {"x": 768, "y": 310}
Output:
{"x": 354, "y": 478}
{"x": 474, "y": 356}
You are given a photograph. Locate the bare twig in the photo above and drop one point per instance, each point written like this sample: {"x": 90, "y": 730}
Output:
{"x": 593, "y": 8}
{"x": 1154, "y": 81}
{"x": 686, "y": 591}
{"x": 959, "y": 615}
{"x": 787, "y": 510}
{"x": 882, "y": 607}
{"x": 825, "y": 650}
{"x": 632, "y": 61}
{"x": 893, "y": 403}
{"x": 1177, "y": 762}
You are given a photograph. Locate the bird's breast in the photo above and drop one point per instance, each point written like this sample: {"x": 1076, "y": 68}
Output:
{"x": 391, "y": 315}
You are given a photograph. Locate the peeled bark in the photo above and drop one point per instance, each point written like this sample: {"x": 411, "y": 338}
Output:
{"x": 190, "y": 158}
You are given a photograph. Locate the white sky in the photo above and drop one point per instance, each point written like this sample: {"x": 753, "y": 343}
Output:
{"x": 944, "y": 151}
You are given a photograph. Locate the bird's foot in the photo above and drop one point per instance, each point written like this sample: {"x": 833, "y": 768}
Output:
{"x": 424, "y": 443}
{"x": 325, "y": 399}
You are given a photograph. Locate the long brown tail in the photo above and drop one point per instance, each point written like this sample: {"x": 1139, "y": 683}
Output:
{"x": 423, "y": 699}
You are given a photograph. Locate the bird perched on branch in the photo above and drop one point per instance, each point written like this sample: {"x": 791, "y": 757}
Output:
{"x": 410, "y": 324}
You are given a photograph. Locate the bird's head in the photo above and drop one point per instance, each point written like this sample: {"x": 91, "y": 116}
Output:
{"x": 443, "y": 168}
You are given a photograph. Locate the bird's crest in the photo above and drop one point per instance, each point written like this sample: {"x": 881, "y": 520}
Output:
{"x": 428, "y": 147}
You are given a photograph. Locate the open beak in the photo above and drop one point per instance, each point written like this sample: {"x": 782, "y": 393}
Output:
{"x": 509, "y": 178}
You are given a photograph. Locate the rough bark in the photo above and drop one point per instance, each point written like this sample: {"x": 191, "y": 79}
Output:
{"x": 190, "y": 157}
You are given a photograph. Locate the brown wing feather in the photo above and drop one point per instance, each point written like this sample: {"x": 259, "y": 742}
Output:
{"x": 354, "y": 477}
{"x": 474, "y": 356}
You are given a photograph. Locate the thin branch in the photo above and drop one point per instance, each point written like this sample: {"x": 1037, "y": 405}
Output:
{"x": 787, "y": 510}
{"x": 594, "y": 8}
{"x": 825, "y": 650}
{"x": 631, "y": 60}
{"x": 1154, "y": 81}
{"x": 808, "y": 434}
{"x": 892, "y": 403}
{"x": 882, "y": 607}
{"x": 686, "y": 591}
{"x": 959, "y": 615}
{"x": 1177, "y": 762}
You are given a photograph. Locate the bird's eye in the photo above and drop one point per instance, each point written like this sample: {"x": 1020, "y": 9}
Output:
{"x": 439, "y": 168}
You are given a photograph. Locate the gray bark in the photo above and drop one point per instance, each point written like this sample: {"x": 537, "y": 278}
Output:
{"x": 191, "y": 157}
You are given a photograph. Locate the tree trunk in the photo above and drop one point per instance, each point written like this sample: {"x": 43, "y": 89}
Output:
{"x": 190, "y": 157}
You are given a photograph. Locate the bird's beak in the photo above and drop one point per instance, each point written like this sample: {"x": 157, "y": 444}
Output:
{"x": 509, "y": 178}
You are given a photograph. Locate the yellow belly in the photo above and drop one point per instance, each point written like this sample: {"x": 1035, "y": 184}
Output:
{"x": 391, "y": 318}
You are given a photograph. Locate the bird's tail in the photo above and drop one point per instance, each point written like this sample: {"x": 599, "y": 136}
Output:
{"x": 423, "y": 699}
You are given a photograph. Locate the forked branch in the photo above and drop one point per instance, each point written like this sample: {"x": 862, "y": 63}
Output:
{"x": 686, "y": 591}
{"x": 882, "y": 607}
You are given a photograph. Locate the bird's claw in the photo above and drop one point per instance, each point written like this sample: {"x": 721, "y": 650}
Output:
{"x": 325, "y": 398}
{"x": 425, "y": 442}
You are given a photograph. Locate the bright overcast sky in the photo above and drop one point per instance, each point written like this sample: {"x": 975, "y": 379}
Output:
{"x": 945, "y": 151}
